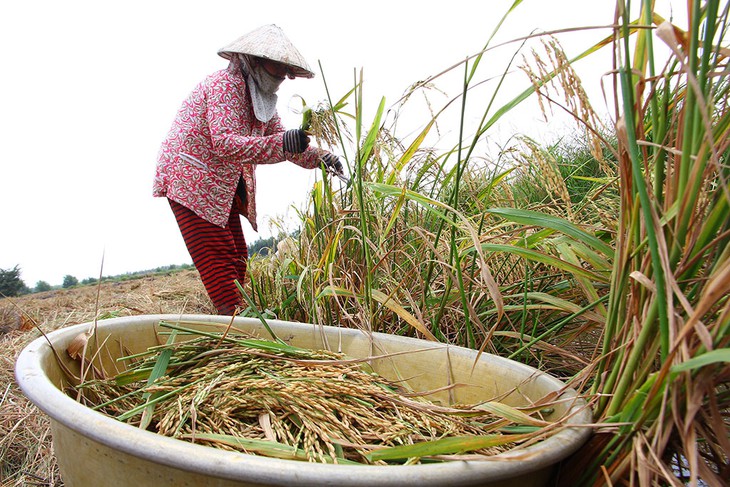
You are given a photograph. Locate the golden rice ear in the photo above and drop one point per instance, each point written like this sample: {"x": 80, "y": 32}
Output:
{"x": 78, "y": 345}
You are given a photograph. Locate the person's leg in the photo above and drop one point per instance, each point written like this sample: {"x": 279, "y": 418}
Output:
{"x": 215, "y": 255}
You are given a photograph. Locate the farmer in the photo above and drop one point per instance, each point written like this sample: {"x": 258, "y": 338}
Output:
{"x": 206, "y": 166}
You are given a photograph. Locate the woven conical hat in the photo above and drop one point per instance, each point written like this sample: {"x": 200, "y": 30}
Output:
{"x": 269, "y": 42}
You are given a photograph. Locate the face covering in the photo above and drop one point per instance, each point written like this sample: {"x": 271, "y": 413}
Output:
{"x": 263, "y": 88}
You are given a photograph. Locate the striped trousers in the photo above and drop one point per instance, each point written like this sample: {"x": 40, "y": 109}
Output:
{"x": 219, "y": 254}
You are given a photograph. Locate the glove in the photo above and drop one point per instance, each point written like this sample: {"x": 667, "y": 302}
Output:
{"x": 333, "y": 163}
{"x": 296, "y": 141}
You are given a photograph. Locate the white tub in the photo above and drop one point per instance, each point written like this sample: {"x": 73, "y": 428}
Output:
{"x": 95, "y": 450}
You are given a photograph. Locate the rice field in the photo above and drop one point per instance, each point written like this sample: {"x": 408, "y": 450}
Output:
{"x": 601, "y": 257}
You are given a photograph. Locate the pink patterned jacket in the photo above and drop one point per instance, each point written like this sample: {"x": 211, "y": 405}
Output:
{"x": 214, "y": 140}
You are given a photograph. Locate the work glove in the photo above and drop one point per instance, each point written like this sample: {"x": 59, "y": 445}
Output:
{"x": 332, "y": 162}
{"x": 296, "y": 141}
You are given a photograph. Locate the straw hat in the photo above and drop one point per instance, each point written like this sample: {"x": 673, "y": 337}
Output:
{"x": 269, "y": 42}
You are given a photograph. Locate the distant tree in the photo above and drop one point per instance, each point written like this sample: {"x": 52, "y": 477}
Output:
{"x": 89, "y": 280}
{"x": 42, "y": 286}
{"x": 261, "y": 246}
{"x": 10, "y": 282}
{"x": 69, "y": 281}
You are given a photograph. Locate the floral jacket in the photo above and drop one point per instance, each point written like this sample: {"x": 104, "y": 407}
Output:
{"x": 215, "y": 141}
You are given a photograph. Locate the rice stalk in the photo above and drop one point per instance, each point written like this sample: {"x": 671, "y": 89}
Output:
{"x": 669, "y": 296}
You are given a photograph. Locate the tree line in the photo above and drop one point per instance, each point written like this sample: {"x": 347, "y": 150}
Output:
{"x": 11, "y": 284}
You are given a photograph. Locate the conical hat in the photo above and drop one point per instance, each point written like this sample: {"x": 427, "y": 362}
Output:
{"x": 269, "y": 42}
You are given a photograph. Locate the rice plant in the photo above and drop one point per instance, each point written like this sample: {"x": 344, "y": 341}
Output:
{"x": 605, "y": 262}
{"x": 663, "y": 372}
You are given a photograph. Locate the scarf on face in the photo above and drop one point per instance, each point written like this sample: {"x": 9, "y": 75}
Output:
{"x": 263, "y": 88}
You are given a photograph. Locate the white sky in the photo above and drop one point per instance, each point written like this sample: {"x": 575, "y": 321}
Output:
{"x": 88, "y": 91}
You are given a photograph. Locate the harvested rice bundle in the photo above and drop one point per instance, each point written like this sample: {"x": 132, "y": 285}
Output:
{"x": 268, "y": 398}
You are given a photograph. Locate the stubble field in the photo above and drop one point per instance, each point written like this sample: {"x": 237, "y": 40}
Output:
{"x": 26, "y": 452}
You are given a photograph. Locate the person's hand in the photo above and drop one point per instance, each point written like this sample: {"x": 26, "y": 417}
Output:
{"x": 333, "y": 163}
{"x": 296, "y": 141}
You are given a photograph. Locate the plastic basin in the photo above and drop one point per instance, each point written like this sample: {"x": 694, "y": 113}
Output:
{"x": 93, "y": 449}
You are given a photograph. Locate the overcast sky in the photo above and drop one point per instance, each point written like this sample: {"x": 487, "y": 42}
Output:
{"x": 89, "y": 90}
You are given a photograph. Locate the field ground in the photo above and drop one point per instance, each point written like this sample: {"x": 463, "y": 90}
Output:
{"x": 26, "y": 452}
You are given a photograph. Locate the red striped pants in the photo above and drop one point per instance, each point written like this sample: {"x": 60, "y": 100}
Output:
{"x": 219, "y": 254}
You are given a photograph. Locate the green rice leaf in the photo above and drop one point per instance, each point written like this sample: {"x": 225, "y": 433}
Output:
{"x": 154, "y": 400}
{"x": 721, "y": 355}
{"x": 529, "y": 217}
{"x": 335, "y": 291}
{"x": 429, "y": 204}
{"x": 541, "y": 257}
{"x": 519, "y": 429}
{"x": 554, "y": 302}
{"x": 369, "y": 144}
{"x": 387, "y": 301}
{"x": 256, "y": 311}
{"x": 393, "y": 217}
{"x": 132, "y": 375}
{"x": 408, "y": 154}
{"x": 443, "y": 446}
{"x": 160, "y": 369}
{"x": 264, "y": 345}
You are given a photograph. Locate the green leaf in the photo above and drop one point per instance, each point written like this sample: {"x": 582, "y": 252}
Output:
{"x": 265, "y": 345}
{"x": 529, "y": 217}
{"x": 256, "y": 311}
{"x": 154, "y": 400}
{"x": 429, "y": 204}
{"x": 132, "y": 375}
{"x": 393, "y": 217}
{"x": 443, "y": 446}
{"x": 547, "y": 259}
{"x": 390, "y": 303}
{"x": 160, "y": 369}
{"x": 721, "y": 355}
{"x": 408, "y": 154}
{"x": 335, "y": 291}
{"x": 369, "y": 143}
{"x": 387, "y": 301}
